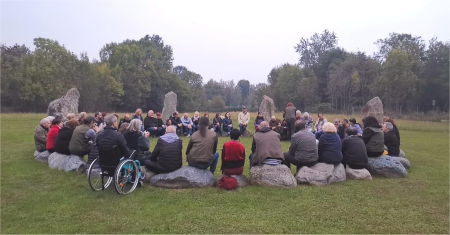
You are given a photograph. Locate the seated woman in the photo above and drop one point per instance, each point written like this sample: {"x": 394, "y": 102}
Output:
{"x": 64, "y": 136}
{"x": 394, "y": 127}
{"x": 227, "y": 123}
{"x": 167, "y": 155}
{"x": 373, "y": 137}
{"x": 330, "y": 147}
{"x": 258, "y": 121}
{"x": 137, "y": 141}
{"x": 201, "y": 150}
{"x": 217, "y": 123}
{"x": 354, "y": 150}
{"x": 57, "y": 124}
{"x": 233, "y": 155}
{"x": 40, "y": 134}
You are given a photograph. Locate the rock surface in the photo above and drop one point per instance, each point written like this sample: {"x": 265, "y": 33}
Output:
{"x": 66, "y": 162}
{"x": 321, "y": 174}
{"x": 387, "y": 166}
{"x": 185, "y": 177}
{"x": 267, "y": 107}
{"x": 241, "y": 180}
{"x": 358, "y": 174}
{"x": 41, "y": 156}
{"x": 272, "y": 175}
{"x": 374, "y": 107}
{"x": 246, "y": 133}
{"x": 402, "y": 154}
{"x": 148, "y": 174}
{"x": 64, "y": 105}
{"x": 170, "y": 105}
{"x": 405, "y": 162}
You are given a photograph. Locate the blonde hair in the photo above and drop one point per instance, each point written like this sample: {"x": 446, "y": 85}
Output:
{"x": 329, "y": 127}
{"x": 135, "y": 125}
{"x": 70, "y": 116}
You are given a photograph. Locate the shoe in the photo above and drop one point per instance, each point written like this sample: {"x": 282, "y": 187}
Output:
{"x": 188, "y": 136}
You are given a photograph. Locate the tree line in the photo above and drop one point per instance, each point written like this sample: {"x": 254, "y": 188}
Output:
{"x": 407, "y": 73}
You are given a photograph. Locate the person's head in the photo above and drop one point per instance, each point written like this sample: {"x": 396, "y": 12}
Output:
{"x": 103, "y": 115}
{"x": 98, "y": 115}
{"x": 89, "y": 120}
{"x": 206, "y": 115}
{"x": 72, "y": 123}
{"x": 123, "y": 127}
{"x": 273, "y": 118}
{"x": 169, "y": 121}
{"x": 203, "y": 124}
{"x": 158, "y": 115}
{"x": 260, "y": 114}
{"x": 111, "y": 120}
{"x": 217, "y": 115}
{"x": 70, "y": 116}
{"x": 244, "y": 109}
{"x": 299, "y": 125}
{"x": 328, "y": 127}
{"x": 298, "y": 113}
{"x": 305, "y": 115}
{"x": 185, "y": 115}
{"x": 387, "y": 126}
{"x": 57, "y": 120}
{"x": 138, "y": 112}
{"x": 352, "y": 121}
{"x": 50, "y": 118}
{"x": 320, "y": 115}
{"x": 235, "y": 134}
{"x": 171, "y": 129}
{"x": 336, "y": 122}
{"x": 45, "y": 122}
{"x": 135, "y": 125}
{"x": 227, "y": 114}
{"x": 175, "y": 114}
{"x": 127, "y": 116}
{"x": 388, "y": 119}
{"x": 196, "y": 114}
{"x": 81, "y": 117}
{"x": 290, "y": 104}
{"x": 264, "y": 124}
{"x": 150, "y": 113}
{"x": 371, "y": 121}
{"x": 345, "y": 122}
{"x": 351, "y": 131}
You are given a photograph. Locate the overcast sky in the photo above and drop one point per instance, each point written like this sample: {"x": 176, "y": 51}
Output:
{"x": 221, "y": 39}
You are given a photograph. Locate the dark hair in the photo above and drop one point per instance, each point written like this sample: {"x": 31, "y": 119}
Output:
{"x": 234, "y": 134}
{"x": 203, "y": 123}
{"x": 72, "y": 123}
{"x": 352, "y": 120}
{"x": 371, "y": 121}
{"x": 319, "y": 114}
{"x": 96, "y": 114}
{"x": 299, "y": 125}
{"x": 351, "y": 131}
{"x": 217, "y": 114}
{"x": 345, "y": 120}
{"x": 88, "y": 120}
{"x": 57, "y": 120}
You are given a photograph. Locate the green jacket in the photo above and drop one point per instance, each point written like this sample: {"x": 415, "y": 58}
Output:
{"x": 79, "y": 143}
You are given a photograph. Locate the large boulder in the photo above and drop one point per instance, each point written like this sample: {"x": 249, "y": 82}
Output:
{"x": 358, "y": 174}
{"x": 405, "y": 162}
{"x": 64, "y": 105}
{"x": 185, "y": 177}
{"x": 321, "y": 173}
{"x": 41, "y": 156}
{"x": 374, "y": 107}
{"x": 66, "y": 162}
{"x": 387, "y": 166}
{"x": 402, "y": 154}
{"x": 242, "y": 181}
{"x": 246, "y": 133}
{"x": 148, "y": 174}
{"x": 272, "y": 175}
{"x": 170, "y": 105}
{"x": 267, "y": 107}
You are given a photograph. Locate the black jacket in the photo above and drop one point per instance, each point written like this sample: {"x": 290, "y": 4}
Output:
{"x": 123, "y": 120}
{"x": 111, "y": 146}
{"x": 354, "y": 151}
{"x": 150, "y": 122}
{"x": 62, "y": 140}
{"x": 391, "y": 142}
{"x": 374, "y": 139}
{"x": 168, "y": 155}
{"x": 330, "y": 148}
{"x": 175, "y": 120}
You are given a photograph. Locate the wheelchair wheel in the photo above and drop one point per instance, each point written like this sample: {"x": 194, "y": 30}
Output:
{"x": 98, "y": 181}
{"x": 126, "y": 177}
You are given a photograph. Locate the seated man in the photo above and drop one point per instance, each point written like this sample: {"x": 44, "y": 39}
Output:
{"x": 161, "y": 126}
{"x": 176, "y": 121}
{"x": 167, "y": 155}
{"x": 111, "y": 145}
{"x": 79, "y": 144}
{"x": 243, "y": 119}
{"x": 64, "y": 136}
{"x": 126, "y": 119}
{"x": 303, "y": 150}
{"x": 356, "y": 125}
{"x": 319, "y": 124}
{"x": 151, "y": 124}
{"x": 266, "y": 147}
{"x": 201, "y": 151}
{"x": 275, "y": 125}
{"x": 354, "y": 150}
{"x": 390, "y": 139}
{"x": 40, "y": 134}
{"x": 186, "y": 121}
{"x": 233, "y": 155}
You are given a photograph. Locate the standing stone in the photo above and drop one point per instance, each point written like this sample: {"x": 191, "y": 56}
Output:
{"x": 170, "y": 105}
{"x": 64, "y": 105}
{"x": 374, "y": 107}
{"x": 267, "y": 107}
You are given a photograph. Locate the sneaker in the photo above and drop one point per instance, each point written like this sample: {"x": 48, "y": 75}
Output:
{"x": 188, "y": 136}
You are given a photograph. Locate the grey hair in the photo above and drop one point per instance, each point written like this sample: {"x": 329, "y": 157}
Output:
{"x": 44, "y": 120}
{"x": 170, "y": 129}
{"x": 135, "y": 125}
{"x": 389, "y": 126}
{"x": 305, "y": 114}
{"x": 264, "y": 124}
{"x": 110, "y": 119}
{"x": 50, "y": 118}
{"x": 298, "y": 112}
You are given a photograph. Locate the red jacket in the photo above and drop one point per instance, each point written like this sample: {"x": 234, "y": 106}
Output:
{"x": 51, "y": 136}
{"x": 233, "y": 158}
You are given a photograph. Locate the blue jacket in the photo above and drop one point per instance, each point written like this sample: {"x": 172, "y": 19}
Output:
{"x": 226, "y": 122}
{"x": 186, "y": 121}
{"x": 330, "y": 148}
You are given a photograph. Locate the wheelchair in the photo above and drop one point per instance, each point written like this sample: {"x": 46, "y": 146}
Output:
{"x": 126, "y": 174}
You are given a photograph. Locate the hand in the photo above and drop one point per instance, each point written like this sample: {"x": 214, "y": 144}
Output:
{"x": 95, "y": 128}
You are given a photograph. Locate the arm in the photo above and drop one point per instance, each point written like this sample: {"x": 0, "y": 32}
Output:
{"x": 367, "y": 133}
{"x": 155, "y": 153}
{"x": 293, "y": 147}
{"x": 122, "y": 144}
{"x": 253, "y": 145}
{"x": 188, "y": 149}
{"x": 215, "y": 144}
{"x": 40, "y": 137}
{"x": 143, "y": 143}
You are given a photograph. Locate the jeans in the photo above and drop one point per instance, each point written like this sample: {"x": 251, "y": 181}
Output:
{"x": 242, "y": 128}
{"x": 227, "y": 128}
{"x": 194, "y": 127}
{"x": 212, "y": 165}
{"x": 187, "y": 130}
{"x": 154, "y": 132}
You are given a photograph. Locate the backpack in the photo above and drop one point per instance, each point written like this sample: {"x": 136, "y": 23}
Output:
{"x": 227, "y": 182}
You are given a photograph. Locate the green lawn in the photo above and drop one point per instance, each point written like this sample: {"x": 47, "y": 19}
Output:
{"x": 36, "y": 199}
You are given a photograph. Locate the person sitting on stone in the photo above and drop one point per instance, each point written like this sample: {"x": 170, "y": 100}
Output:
{"x": 298, "y": 115}
{"x": 303, "y": 150}
{"x": 289, "y": 116}
{"x": 79, "y": 144}
{"x": 259, "y": 118}
{"x": 356, "y": 125}
{"x": 40, "y": 134}
{"x": 91, "y": 136}
{"x": 176, "y": 121}
{"x": 167, "y": 155}
{"x": 217, "y": 124}
{"x": 243, "y": 119}
{"x": 394, "y": 127}
{"x": 330, "y": 146}
{"x": 266, "y": 147}
{"x": 81, "y": 117}
{"x": 390, "y": 139}
{"x": 342, "y": 128}
{"x": 354, "y": 150}
{"x": 98, "y": 118}
{"x": 161, "y": 126}
{"x": 138, "y": 115}
{"x": 151, "y": 124}
{"x": 373, "y": 137}
{"x": 233, "y": 155}
{"x": 123, "y": 127}
{"x": 195, "y": 120}
{"x": 57, "y": 124}
{"x": 319, "y": 123}
{"x": 275, "y": 125}
{"x": 62, "y": 141}
{"x": 308, "y": 121}
{"x": 201, "y": 151}
{"x": 227, "y": 123}
{"x": 186, "y": 121}
{"x": 126, "y": 119}
{"x": 137, "y": 141}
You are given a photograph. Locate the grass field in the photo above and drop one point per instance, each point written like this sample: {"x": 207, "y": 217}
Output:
{"x": 36, "y": 199}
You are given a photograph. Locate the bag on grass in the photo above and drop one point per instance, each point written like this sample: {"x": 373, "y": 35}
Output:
{"x": 228, "y": 182}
